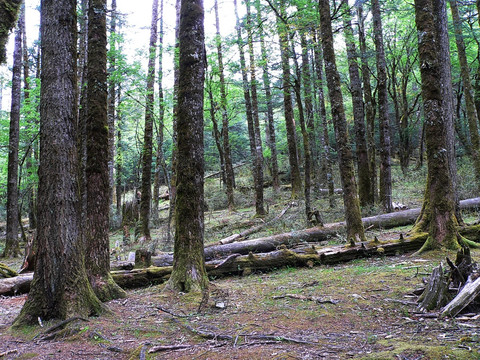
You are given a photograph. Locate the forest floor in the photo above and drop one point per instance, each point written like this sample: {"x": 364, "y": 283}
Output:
{"x": 363, "y": 309}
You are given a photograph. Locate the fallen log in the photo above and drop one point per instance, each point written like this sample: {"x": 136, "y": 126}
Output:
{"x": 469, "y": 292}
{"x": 306, "y": 256}
{"x": 252, "y": 230}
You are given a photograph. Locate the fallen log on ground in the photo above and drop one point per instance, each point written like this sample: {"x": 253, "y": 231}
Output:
{"x": 254, "y": 229}
{"x": 236, "y": 264}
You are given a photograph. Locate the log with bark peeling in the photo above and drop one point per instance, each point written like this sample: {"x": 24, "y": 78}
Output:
{"x": 306, "y": 256}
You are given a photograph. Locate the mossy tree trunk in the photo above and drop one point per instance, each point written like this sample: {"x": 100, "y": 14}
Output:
{"x": 296, "y": 179}
{"x": 363, "y": 166}
{"x": 353, "y": 216}
{"x": 112, "y": 91}
{"x": 327, "y": 169}
{"x": 369, "y": 105}
{"x": 270, "y": 133}
{"x": 251, "y": 115}
{"x": 189, "y": 273}
{"x": 229, "y": 174}
{"x": 148, "y": 129}
{"x": 259, "y": 208}
{"x": 60, "y": 287}
{"x": 97, "y": 259}
{"x": 438, "y": 212}
{"x": 385, "y": 193}
{"x": 12, "y": 246}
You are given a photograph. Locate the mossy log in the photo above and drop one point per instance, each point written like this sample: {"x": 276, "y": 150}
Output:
{"x": 236, "y": 264}
{"x": 6, "y": 272}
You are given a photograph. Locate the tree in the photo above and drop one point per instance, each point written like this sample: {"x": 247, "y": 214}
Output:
{"x": 229, "y": 174}
{"x": 60, "y": 287}
{"x": 385, "y": 147}
{"x": 112, "y": 84}
{"x": 438, "y": 213}
{"x": 282, "y": 30}
{"x": 251, "y": 115}
{"x": 189, "y": 272}
{"x": 97, "y": 258}
{"x": 363, "y": 169}
{"x": 351, "y": 203}
{"x": 12, "y": 246}
{"x": 148, "y": 130}
{"x": 270, "y": 133}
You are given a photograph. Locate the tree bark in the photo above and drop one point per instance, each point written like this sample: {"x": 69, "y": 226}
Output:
{"x": 438, "y": 213}
{"x": 350, "y": 197}
{"x": 363, "y": 166}
{"x": 60, "y": 287}
{"x": 97, "y": 258}
{"x": 369, "y": 105}
{"x": 112, "y": 84}
{"x": 148, "y": 130}
{"x": 288, "y": 108}
{"x": 270, "y": 135}
{"x": 324, "y": 138}
{"x": 12, "y": 246}
{"x": 385, "y": 195}
{"x": 229, "y": 174}
{"x": 189, "y": 272}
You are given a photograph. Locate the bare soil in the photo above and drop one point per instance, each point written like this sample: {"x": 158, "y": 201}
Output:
{"x": 372, "y": 317}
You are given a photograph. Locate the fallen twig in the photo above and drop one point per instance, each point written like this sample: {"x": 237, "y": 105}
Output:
{"x": 8, "y": 352}
{"x": 172, "y": 313}
{"x": 307, "y": 298}
{"x": 58, "y": 326}
{"x": 161, "y": 348}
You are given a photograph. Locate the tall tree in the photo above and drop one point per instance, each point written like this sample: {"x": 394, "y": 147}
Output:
{"x": 363, "y": 169}
{"x": 472, "y": 116}
{"x": 438, "y": 213}
{"x": 270, "y": 133}
{"x": 148, "y": 130}
{"x": 324, "y": 139}
{"x": 370, "y": 105}
{"x": 351, "y": 203}
{"x": 60, "y": 287}
{"x": 229, "y": 174}
{"x": 189, "y": 273}
{"x": 112, "y": 83}
{"x": 282, "y": 30}
{"x": 259, "y": 208}
{"x": 385, "y": 188}
{"x": 12, "y": 246}
{"x": 255, "y": 154}
{"x": 97, "y": 258}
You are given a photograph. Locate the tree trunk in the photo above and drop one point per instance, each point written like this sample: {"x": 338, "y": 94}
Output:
{"x": 148, "y": 131}
{"x": 250, "y": 114}
{"x": 189, "y": 272}
{"x": 112, "y": 100}
{"x": 324, "y": 138}
{"x": 229, "y": 174}
{"x": 97, "y": 258}
{"x": 60, "y": 287}
{"x": 472, "y": 116}
{"x": 369, "y": 105}
{"x": 12, "y": 246}
{"x": 438, "y": 213}
{"x": 385, "y": 147}
{"x": 363, "y": 169}
{"x": 288, "y": 108}
{"x": 259, "y": 208}
{"x": 350, "y": 197}
{"x": 270, "y": 136}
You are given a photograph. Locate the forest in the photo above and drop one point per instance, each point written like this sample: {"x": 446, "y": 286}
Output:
{"x": 239, "y": 179}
